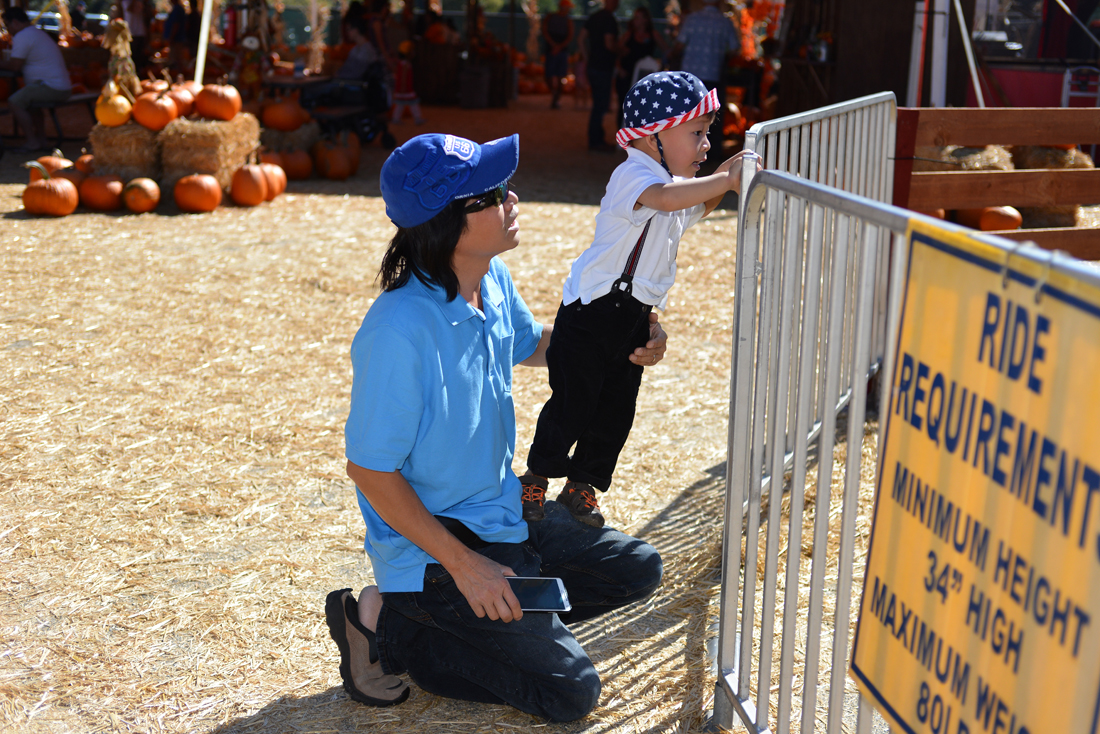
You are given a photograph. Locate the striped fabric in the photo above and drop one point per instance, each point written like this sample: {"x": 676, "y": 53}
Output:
{"x": 662, "y": 100}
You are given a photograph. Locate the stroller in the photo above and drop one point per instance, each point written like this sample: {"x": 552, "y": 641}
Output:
{"x": 359, "y": 105}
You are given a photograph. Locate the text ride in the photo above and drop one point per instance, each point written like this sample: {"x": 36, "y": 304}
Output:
{"x": 981, "y": 602}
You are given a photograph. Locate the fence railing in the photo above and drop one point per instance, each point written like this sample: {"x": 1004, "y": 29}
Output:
{"x": 806, "y": 317}
{"x": 847, "y": 146}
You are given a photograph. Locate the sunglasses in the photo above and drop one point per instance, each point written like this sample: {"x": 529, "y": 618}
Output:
{"x": 492, "y": 199}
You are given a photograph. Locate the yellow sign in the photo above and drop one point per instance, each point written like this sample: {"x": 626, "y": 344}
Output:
{"x": 981, "y": 603}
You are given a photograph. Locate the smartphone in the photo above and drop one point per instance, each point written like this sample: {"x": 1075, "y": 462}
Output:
{"x": 539, "y": 594}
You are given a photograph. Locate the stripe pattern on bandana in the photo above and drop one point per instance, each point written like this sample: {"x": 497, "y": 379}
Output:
{"x": 662, "y": 100}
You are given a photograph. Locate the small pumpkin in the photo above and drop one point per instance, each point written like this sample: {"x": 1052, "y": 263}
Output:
{"x": 54, "y": 197}
{"x": 185, "y": 101}
{"x": 297, "y": 164}
{"x": 354, "y": 147}
{"x": 112, "y": 108}
{"x": 194, "y": 86}
{"x": 276, "y": 179}
{"x": 199, "y": 192}
{"x": 141, "y": 195}
{"x": 271, "y": 156}
{"x": 72, "y": 173}
{"x": 218, "y": 102}
{"x": 285, "y": 115}
{"x": 249, "y": 186}
{"x": 990, "y": 218}
{"x": 102, "y": 193}
{"x": 85, "y": 163}
{"x": 154, "y": 110}
{"x": 53, "y": 162}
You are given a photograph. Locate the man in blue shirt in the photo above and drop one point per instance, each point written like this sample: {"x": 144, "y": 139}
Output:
{"x": 706, "y": 37}
{"x": 429, "y": 441}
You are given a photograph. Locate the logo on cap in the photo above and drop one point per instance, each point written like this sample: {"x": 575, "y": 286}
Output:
{"x": 436, "y": 179}
{"x": 460, "y": 148}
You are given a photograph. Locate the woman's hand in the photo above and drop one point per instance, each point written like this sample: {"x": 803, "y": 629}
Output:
{"x": 654, "y": 350}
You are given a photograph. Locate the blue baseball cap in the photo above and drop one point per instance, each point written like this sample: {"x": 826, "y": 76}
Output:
{"x": 430, "y": 171}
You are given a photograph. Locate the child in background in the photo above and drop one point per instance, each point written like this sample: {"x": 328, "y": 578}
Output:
{"x": 403, "y": 92}
{"x": 613, "y": 286}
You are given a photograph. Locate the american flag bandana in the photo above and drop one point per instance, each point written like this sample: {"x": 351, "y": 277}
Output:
{"x": 662, "y": 100}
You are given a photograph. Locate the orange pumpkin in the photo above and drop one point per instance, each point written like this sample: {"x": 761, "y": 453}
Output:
{"x": 351, "y": 142}
{"x": 249, "y": 186}
{"x": 141, "y": 195}
{"x": 112, "y": 108}
{"x": 271, "y": 156}
{"x": 990, "y": 218}
{"x": 193, "y": 86}
{"x": 53, "y": 162}
{"x": 276, "y": 179}
{"x": 218, "y": 102}
{"x": 54, "y": 197}
{"x": 333, "y": 161}
{"x": 199, "y": 192}
{"x": 153, "y": 85}
{"x": 154, "y": 110}
{"x": 101, "y": 193}
{"x": 72, "y": 173}
{"x": 297, "y": 164}
{"x": 85, "y": 163}
{"x": 285, "y": 115}
{"x": 997, "y": 218}
{"x": 185, "y": 101}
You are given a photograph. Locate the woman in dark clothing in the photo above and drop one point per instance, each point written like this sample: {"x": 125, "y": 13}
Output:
{"x": 639, "y": 40}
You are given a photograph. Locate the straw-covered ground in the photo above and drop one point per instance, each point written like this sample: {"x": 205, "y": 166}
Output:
{"x": 173, "y": 505}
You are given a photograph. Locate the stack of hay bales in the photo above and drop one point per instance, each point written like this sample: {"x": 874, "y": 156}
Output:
{"x": 207, "y": 146}
{"x": 1035, "y": 156}
{"x": 128, "y": 151}
{"x": 183, "y": 147}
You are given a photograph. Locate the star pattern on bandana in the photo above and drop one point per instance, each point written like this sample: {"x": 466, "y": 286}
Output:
{"x": 660, "y": 96}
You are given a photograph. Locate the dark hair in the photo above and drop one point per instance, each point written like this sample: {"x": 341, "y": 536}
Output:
{"x": 426, "y": 251}
{"x": 17, "y": 14}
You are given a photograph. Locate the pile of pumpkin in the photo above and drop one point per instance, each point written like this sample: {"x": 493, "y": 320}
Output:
{"x": 57, "y": 186}
{"x": 334, "y": 158}
{"x": 161, "y": 102}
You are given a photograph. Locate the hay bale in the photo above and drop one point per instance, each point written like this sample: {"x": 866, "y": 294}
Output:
{"x": 301, "y": 139}
{"x": 207, "y": 146}
{"x": 958, "y": 158}
{"x": 128, "y": 151}
{"x": 1041, "y": 157}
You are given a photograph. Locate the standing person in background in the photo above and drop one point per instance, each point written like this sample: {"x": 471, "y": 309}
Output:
{"x": 45, "y": 78}
{"x": 404, "y": 91}
{"x": 639, "y": 41}
{"x": 138, "y": 14}
{"x": 601, "y": 36}
{"x": 557, "y": 34}
{"x": 175, "y": 35}
{"x": 706, "y": 37}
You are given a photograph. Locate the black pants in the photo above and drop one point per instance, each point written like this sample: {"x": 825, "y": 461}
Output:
{"x": 595, "y": 388}
{"x": 600, "y": 80}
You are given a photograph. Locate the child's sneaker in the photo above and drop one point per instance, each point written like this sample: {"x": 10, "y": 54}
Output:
{"x": 580, "y": 499}
{"x": 534, "y": 496}
{"x": 360, "y": 667}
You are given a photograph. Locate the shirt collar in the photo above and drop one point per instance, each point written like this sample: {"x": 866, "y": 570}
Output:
{"x": 459, "y": 309}
{"x": 638, "y": 156}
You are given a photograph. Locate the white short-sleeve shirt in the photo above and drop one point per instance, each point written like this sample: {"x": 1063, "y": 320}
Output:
{"x": 42, "y": 59}
{"x": 618, "y": 227}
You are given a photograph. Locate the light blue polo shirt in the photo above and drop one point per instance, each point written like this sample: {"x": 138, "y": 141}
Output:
{"x": 432, "y": 398}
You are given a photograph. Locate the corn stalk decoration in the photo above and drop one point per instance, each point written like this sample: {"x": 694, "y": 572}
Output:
{"x": 317, "y": 41}
{"x": 534, "y": 28}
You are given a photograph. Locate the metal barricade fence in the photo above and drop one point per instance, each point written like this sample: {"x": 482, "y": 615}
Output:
{"x": 806, "y": 305}
{"x": 847, "y": 146}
